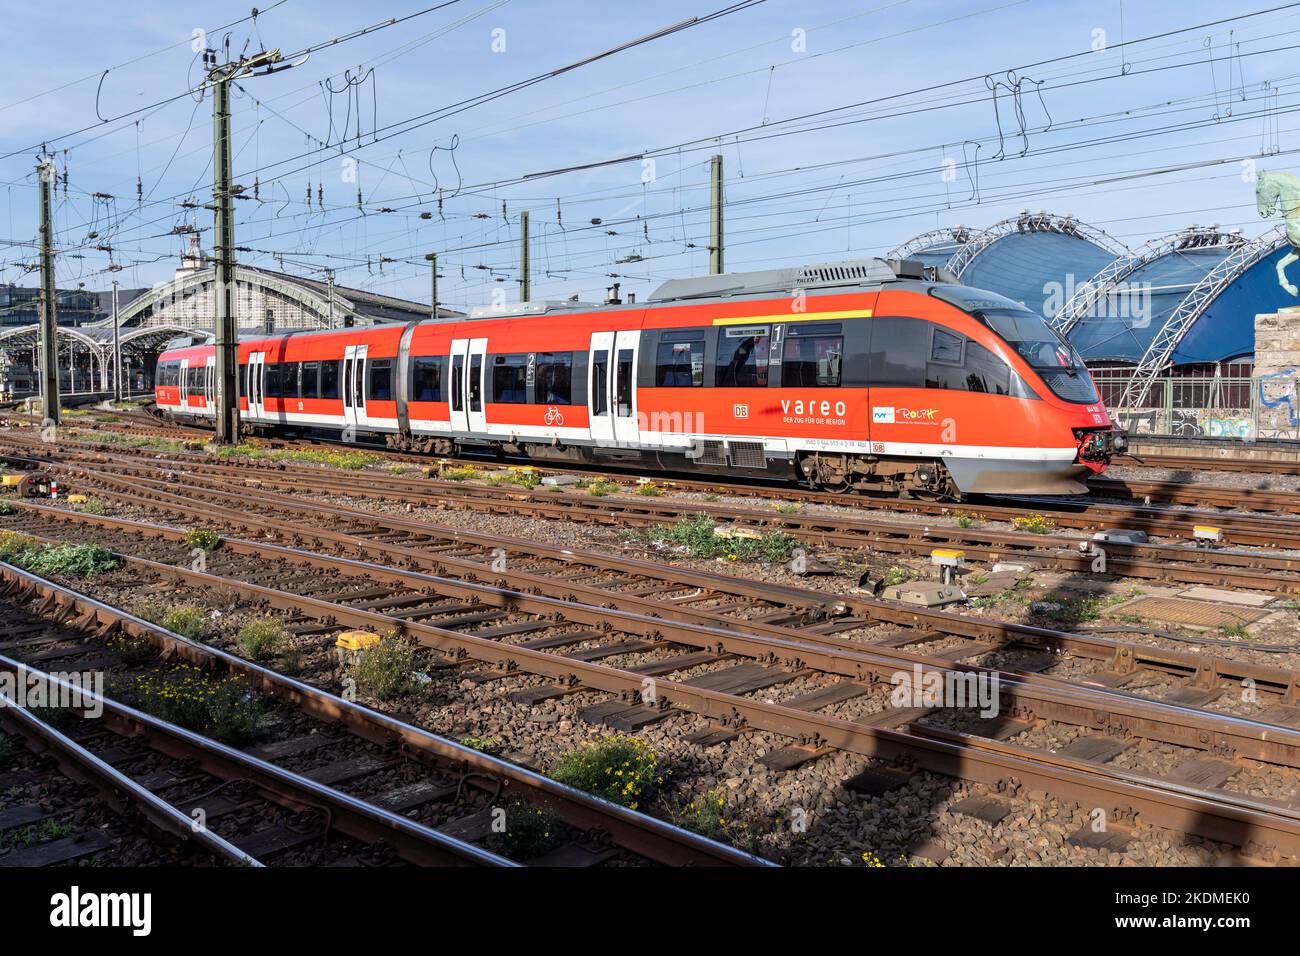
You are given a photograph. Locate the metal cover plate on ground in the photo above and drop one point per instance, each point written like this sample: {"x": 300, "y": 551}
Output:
{"x": 1196, "y": 613}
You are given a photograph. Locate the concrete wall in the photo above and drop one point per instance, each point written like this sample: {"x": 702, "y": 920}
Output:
{"x": 1277, "y": 372}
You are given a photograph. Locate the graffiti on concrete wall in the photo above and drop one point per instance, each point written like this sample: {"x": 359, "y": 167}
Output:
{"x": 1189, "y": 422}
{"x": 1279, "y": 414}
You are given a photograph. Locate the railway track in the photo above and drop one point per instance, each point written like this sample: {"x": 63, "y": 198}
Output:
{"x": 651, "y": 589}
{"x": 242, "y": 809}
{"x": 1085, "y": 514}
{"x": 884, "y": 732}
{"x": 1224, "y": 461}
{"x": 1240, "y": 529}
{"x": 61, "y": 804}
{"x": 344, "y": 774}
{"x": 1226, "y": 567}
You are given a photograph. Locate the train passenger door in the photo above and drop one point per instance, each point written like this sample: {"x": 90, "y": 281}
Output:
{"x": 459, "y": 361}
{"x": 611, "y": 387}
{"x": 209, "y": 378}
{"x": 475, "y": 384}
{"x": 599, "y": 412}
{"x": 256, "y": 364}
{"x": 184, "y": 389}
{"x": 623, "y": 388}
{"x": 468, "y": 377}
{"x": 354, "y": 385}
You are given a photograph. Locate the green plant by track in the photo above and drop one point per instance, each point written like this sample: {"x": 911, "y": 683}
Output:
{"x": 622, "y": 769}
{"x": 387, "y": 669}
{"x": 74, "y": 560}
{"x": 262, "y": 639}
{"x": 345, "y": 460}
{"x": 697, "y": 534}
{"x": 224, "y": 707}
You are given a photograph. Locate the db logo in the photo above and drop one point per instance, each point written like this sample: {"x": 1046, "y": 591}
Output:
{"x": 740, "y": 410}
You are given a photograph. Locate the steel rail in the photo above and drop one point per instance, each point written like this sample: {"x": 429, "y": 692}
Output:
{"x": 1221, "y": 567}
{"x": 1219, "y": 815}
{"x": 1048, "y": 698}
{"x": 1123, "y": 656}
{"x": 639, "y": 833}
{"x": 413, "y": 841}
{"x": 116, "y": 788}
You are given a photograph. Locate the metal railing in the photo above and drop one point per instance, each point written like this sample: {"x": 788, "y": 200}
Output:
{"x": 1242, "y": 407}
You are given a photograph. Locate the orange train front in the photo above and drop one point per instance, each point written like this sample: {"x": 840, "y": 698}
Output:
{"x": 864, "y": 375}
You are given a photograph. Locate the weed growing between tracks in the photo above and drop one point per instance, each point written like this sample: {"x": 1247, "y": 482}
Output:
{"x": 130, "y": 441}
{"x": 486, "y": 745}
{"x": 620, "y": 769}
{"x": 262, "y": 639}
{"x": 709, "y": 815}
{"x": 696, "y": 533}
{"x": 187, "y": 620}
{"x": 386, "y": 670}
{"x": 74, "y": 560}
{"x": 346, "y": 460}
{"x": 1034, "y": 524}
{"x": 222, "y": 707}
{"x": 530, "y": 832}
{"x": 204, "y": 539}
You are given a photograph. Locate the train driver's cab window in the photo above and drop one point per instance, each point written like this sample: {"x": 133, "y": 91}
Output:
{"x": 985, "y": 372}
{"x": 680, "y": 361}
{"x": 813, "y": 356}
{"x": 742, "y": 356}
{"x": 945, "y": 369}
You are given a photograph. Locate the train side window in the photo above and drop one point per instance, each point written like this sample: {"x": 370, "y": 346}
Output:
{"x": 510, "y": 379}
{"x": 329, "y": 379}
{"x": 309, "y": 384}
{"x": 680, "y": 360}
{"x": 812, "y": 361}
{"x": 742, "y": 356}
{"x": 426, "y": 378}
{"x": 600, "y": 383}
{"x": 458, "y": 383}
{"x": 554, "y": 382}
{"x": 985, "y": 372}
{"x": 476, "y": 383}
{"x": 273, "y": 380}
{"x": 898, "y": 352}
{"x": 380, "y": 376}
{"x": 289, "y": 379}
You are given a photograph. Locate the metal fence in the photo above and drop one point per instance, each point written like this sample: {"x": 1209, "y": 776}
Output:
{"x": 1244, "y": 407}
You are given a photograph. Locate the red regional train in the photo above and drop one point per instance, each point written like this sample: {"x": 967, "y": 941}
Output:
{"x": 863, "y": 375}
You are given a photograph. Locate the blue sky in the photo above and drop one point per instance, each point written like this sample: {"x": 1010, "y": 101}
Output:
{"x": 857, "y": 184}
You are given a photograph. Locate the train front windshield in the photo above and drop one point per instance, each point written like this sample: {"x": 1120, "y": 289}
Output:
{"x": 1043, "y": 348}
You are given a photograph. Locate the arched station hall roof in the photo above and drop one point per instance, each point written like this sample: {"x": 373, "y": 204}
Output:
{"x": 1189, "y": 297}
{"x": 1186, "y": 298}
